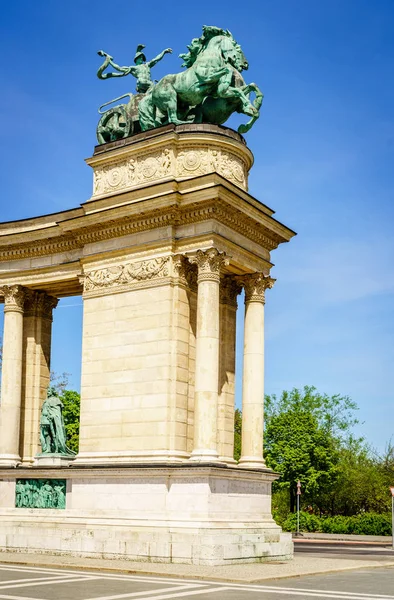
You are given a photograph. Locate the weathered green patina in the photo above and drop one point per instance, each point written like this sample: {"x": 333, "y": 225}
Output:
{"x": 52, "y": 430}
{"x": 40, "y": 493}
{"x": 210, "y": 90}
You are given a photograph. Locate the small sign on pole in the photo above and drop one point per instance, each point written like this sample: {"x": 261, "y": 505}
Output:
{"x": 298, "y": 506}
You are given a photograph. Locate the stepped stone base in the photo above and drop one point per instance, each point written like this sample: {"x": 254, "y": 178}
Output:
{"x": 204, "y": 515}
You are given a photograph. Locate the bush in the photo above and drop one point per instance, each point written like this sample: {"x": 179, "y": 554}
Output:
{"x": 363, "y": 524}
{"x": 307, "y": 522}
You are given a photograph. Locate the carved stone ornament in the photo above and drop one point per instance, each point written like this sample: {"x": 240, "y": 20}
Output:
{"x": 14, "y": 297}
{"x": 209, "y": 263}
{"x": 191, "y": 162}
{"x": 255, "y": 285}
{"x": 185, "y": 271}
{"x": 229, "y": 290}
{"x": 125, "y": 274}
{"x": 133, "y": 172}
{"x": 39, "y": 304}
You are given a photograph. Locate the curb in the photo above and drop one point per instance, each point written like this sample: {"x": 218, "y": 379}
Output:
{"x": 125, "y": 571}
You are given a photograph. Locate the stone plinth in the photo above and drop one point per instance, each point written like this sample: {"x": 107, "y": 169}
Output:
{"x": 53, "y": 460}
{"x": 195, "y": 515}
{"x": 178, "y": 152}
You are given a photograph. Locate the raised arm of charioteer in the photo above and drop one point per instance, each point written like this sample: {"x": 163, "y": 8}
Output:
{"x": 121, "y": 71}
{"x": 158, "y": 58}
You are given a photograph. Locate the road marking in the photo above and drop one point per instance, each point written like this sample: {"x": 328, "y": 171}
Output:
{"x": 145, "y": 593}
{"x": 57, "y": 580}
{"x": 207, "y": 590}
{"x": 315, "y": 593}
{"x": 2, "y": 597}
{"x": 25, "y": 579}
{"x": 328, "y": 593}
{"x": 87, "y": 573}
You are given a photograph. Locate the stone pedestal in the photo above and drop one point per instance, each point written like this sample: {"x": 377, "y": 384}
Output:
{"x": 53, "y": 460}
{"x": 181, "y": 514}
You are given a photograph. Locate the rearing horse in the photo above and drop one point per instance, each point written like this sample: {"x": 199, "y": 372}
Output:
{"x": 211, "y": 62}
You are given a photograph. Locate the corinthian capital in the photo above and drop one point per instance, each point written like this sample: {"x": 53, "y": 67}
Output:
{"x": 14, "y": 297}
{"x": 209, "y": 263}
{"x": 255, "y": 285}
{"x": 229, "y": 290}
{"x": 39, "y": 304}
{"x": 186, "y": 272}
{"x": 45, "y": 305}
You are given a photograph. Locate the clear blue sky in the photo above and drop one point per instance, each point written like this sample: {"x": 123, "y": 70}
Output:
{"x": 324, "y": 150}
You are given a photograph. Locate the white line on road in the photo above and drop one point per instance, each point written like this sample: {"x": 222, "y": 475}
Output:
{"x": 207, "y": 590}
{"x": 25, "y": 579}
{"x": 315, "y": 593}
{"x": 328, "y": 593}
{"x": 57, "y": 580}
{"x": 2, "y": 597}
{"x": 146, "y": 593}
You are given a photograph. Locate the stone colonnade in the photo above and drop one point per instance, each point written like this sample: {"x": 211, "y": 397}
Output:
{"x": 210, "y": 265}
{"x": 26, "y": 358}
{"x": 25, "y": 371}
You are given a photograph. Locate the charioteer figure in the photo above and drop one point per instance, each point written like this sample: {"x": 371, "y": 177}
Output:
{"x": 141, "y": 70}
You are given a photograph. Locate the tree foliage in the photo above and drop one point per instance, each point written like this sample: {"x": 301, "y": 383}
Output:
{"x": 71, "y": 408}
{"x": 71, "y": 411}
{"x": 237, "y": 433}
{"x": 308, "y": 437}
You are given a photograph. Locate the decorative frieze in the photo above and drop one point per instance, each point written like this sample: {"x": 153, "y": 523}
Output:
{"x": 125, "y": 275}
{"x": 196, "y": 213}
{"x": 154, "y": 166}
{"x": 209, "y": 263}
{"x": 40, "y": 493}
{"x": 133, "y": 172}
{"x": 255, "y": 285}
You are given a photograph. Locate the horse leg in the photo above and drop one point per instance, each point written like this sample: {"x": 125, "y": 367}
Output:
{"x": 248, "y": 89}
{"x": 226, "y": 90}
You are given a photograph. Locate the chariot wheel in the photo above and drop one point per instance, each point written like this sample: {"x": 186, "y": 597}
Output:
{"x": 115, "y": 124}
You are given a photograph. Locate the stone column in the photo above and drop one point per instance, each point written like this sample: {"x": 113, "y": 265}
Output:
{"x": 11, "y": 380}
{"x": 37, "y": 333}
{"x": 229, "y": 290}
{"x": 253, "y": 370}
{"x": 209, "y": 263}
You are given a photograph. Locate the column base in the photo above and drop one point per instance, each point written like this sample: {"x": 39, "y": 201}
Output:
{"x": 10, "y": 460}
{"x": 251, "y": 462}
{"x": 205, "y": 456}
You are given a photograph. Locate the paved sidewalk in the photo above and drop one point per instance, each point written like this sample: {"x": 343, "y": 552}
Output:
{"x": 369, "y": 539}
{"x": 246, "y": 573}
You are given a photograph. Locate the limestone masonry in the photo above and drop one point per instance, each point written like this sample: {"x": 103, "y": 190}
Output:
{"x": 159, "y": 253}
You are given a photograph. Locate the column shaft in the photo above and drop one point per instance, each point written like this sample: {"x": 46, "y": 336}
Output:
{"x": 11, "y": 380}
{"x": 207, "y": 356}
{"x": 37, "y": 331}
{"x": 253, "y": 371}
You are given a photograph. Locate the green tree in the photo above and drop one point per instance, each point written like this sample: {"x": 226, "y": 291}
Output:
{"x": 237, "y": 433}
{"x": 71, "y": 411}
{"x": 303, "y": 434}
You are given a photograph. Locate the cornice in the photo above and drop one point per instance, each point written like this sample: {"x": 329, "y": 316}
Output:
{"x": 173, "y": 209}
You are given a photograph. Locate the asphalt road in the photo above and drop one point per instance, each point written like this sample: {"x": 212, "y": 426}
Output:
{"x": 36, "y": 583}
{"x": 354, "y": 550}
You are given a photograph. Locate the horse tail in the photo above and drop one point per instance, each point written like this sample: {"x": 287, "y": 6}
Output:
{"x": 147, "y": 113}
